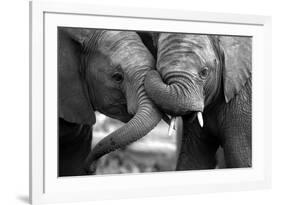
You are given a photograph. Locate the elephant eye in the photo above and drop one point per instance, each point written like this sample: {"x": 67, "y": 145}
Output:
{"x": 118, "y": 77}
{"x": 204, "y": 72}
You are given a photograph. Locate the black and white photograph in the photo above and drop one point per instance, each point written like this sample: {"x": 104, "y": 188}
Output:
{"x": 131, "y": 102}
{"x": 141, "y": 101}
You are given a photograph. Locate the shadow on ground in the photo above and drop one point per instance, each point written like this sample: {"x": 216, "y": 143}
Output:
{"x": 24, "y": 199}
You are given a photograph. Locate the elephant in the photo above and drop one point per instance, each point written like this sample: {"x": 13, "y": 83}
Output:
{"x": 100, "y": 70}
{"x": 207, "y": 77}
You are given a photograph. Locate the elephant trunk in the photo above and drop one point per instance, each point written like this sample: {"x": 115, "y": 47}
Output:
{"x": 145, "y": 119}
{"x": 176, "y": 97}
{"x": 173, "y": 88}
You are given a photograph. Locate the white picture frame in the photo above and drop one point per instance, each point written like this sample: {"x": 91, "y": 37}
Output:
{"x": 45, "y": 187}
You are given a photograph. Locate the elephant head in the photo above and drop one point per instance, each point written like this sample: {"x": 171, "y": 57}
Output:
{"x": 104, "y": 70}
{"x": 195, "y": 70}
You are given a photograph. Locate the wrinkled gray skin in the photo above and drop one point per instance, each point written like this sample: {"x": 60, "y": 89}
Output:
{"x": 209, "y": 74}
{"x": 104, "y": 71}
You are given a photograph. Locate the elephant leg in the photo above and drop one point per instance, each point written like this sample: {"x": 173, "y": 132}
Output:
{"x": 237, "y": 131}
{"x": 74, "y": 146}
{"x": 237, "y": 151}
{"x": 237, "y": 143}
{"x": 198, "y": 150}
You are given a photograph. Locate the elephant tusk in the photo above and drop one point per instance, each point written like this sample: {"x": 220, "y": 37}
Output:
{"x": 200, "y": 118}
{"x": 172, "y": 126}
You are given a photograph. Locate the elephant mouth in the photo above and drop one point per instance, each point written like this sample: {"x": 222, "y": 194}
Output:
{"x": 123, "y": 117}
{"x": 126, "y": 118}
{"x": 118, "y": 111}
{"x": 190, "y": 116}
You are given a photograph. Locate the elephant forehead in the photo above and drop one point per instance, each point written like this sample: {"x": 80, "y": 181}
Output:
{"x": 105, "y": 64}
{"x": 182, "y": 44}
{"x": 113, "y": 41}
{"x": 128, "y": 54}
{"x": 123, "y": 49}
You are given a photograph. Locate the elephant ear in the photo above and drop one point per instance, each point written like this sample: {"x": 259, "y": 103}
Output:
{"x": 237, "y": 63}
{"x": 74, "y": 104}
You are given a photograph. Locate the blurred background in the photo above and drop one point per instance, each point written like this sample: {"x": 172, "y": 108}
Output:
{"x": 153, "y": 153}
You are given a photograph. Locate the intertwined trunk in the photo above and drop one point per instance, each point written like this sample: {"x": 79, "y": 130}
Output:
{"x": 136, "y": 62}
{"x": 172, "y": 87}
{"x": 145, "y": 119}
